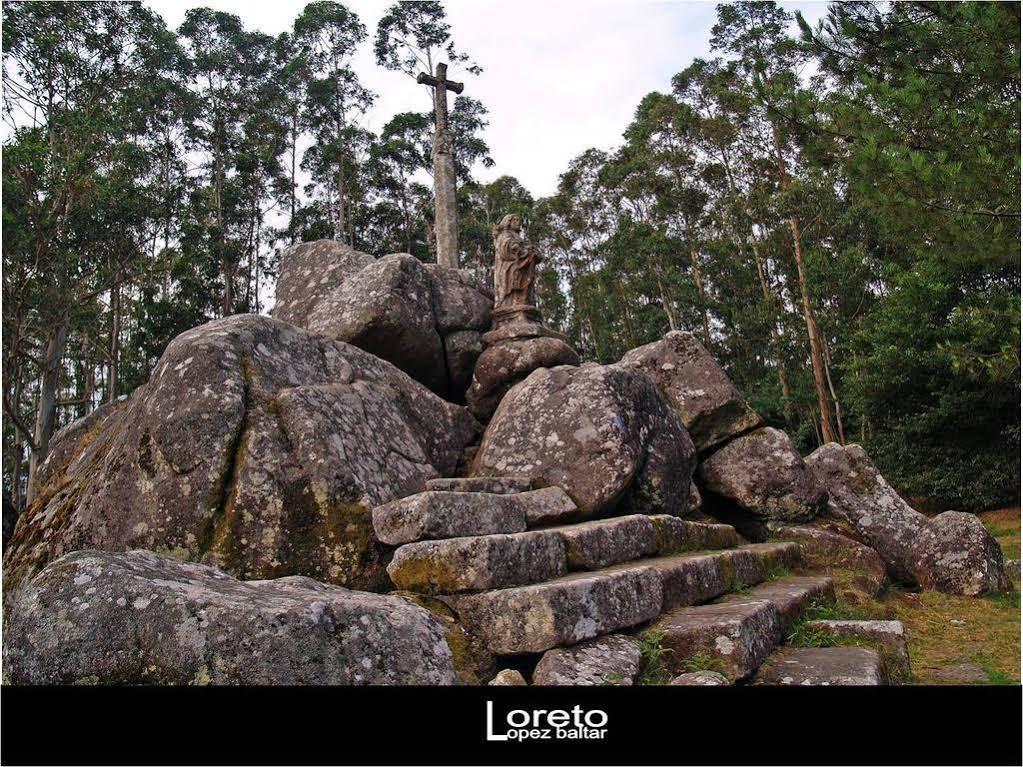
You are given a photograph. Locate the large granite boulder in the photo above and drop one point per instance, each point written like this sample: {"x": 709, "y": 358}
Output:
{"x": 764, "y": 475}
{"x": 255, "y": 446}
{"x": 859, "y": 495}
{"x": 387, "y": 309}
{"x": 707, "y": 402}
{"x": 952, "y": 553}
{"x": 95, "y": 617}
{"x": 601, "y": 432}
{"x": 425, "y": 319}
{"x": 960, "y": 556}
{"x": 311, "y": 271}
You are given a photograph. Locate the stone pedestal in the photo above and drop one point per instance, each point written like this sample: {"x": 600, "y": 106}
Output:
{"x": 516, "y": 344}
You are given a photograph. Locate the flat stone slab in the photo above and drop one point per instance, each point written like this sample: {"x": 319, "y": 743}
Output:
{"x": 700, "y": 679}
{"x": 734, "y": 636}
{"x": 549, "y": 506}
{"x": 673, "y": 535}
{"x": 686, "y": 579}
{"x": 822, "y": 666}
{"x": 601, "y": 543}
{"x": 561, "y": 612}
{"x": 790, "y": 595}
{"x": 477, "y": 563}
{"x": 139, "y": 618}
{"x": 607, "y": 660}
{"x": 888, "y": 637}
{"x": 498, "y": 485}
{"x": 755, "y": 562}
{"x": 690, "y": 579}
{"x": 436, "y": 514}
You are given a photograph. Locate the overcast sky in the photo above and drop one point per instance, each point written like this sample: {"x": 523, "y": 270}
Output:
{"x": 559, "y": 76}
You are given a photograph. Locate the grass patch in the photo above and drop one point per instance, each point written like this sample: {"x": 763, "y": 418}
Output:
{"x": 777, "y": 571}
{"x": 947, "y": 630}
{"x": 941, "y": 629}
{"x": 1003, "y": 524}
{"x": 652, "y": 668}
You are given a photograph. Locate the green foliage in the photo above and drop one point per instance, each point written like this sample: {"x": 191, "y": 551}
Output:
{"x": 898, "y": 165}
{"x": 151, "y": 179}
{"x": 652, "y": 668}
{"x": 702, "y": 661}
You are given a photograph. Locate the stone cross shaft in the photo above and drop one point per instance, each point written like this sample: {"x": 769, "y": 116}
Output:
{"x": 445, "y": 201}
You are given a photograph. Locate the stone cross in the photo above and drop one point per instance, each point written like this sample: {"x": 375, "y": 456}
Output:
{"x": 445, "y": 202}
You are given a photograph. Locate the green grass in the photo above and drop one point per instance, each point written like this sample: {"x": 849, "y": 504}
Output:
{"x": 776, "y": 572}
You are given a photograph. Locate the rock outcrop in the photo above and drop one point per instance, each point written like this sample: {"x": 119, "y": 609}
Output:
{"x": 601, "y": 432}
{"x": 764, "y": 474}
{"x": 139, "y": 618}
{"x": 425, "y": 319}
{"x": 255, "y": 446}
{"x": 705, "y": 399}
{"x": 952, "y": 553}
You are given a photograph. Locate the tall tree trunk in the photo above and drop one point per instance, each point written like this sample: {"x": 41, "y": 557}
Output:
{"x": 294, "y": 153}
{"x": 765, "y": 290}
{"x": 834, "y": 394}
{"x": 115, "y": 342}
{"x": 776, "y": 337}
{"x": 698, "y": 279}
{"x": 812, "y": 331}
{"x": 665, "y": 303}
{"x": 46, "y": 410}
{"x": 227, "y": 302}
{"x": 340, "y": 202}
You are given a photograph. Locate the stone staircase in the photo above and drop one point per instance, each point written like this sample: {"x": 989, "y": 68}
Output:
{"x": 525, "y": 577}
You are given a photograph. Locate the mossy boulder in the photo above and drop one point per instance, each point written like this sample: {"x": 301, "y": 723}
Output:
{"x": 255, "y": 446}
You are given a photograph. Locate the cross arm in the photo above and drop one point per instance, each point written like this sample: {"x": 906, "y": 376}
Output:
{"x": 433, "y": 82}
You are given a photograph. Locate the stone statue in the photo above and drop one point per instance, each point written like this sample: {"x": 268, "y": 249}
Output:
{"x": 514, "y": 266}
{"x": 518, "y": 342}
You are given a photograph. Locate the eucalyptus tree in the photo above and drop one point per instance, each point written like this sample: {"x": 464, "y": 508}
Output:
{"x": 756, "y": 34}
{"x": 327, "y": 34}
{"x": 75, "y": 78}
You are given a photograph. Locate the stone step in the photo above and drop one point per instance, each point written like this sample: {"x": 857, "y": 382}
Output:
{"x": 606, "y": 660}
{"x": 564, "y": 611}
{"x": 478, "y": 563}
{"x": 689, "y": 579}
{"x": 495, "y": 485}
{"x": 790, "y": 595}
{"x": 821, "y": 666}
{"x": 673, "y": 535}
{"x": 887, "y": 637}
{"x": 580, "y": 606}
{"x": 604, "y": 542}
{"x": 732, "y": 638}
{"x": 437, "y": 514}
